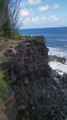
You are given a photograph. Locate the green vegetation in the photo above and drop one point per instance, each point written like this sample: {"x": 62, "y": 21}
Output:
{"x": 3, "y": 59}
{"x": 9, "y": 15}
{"x": 16, "y": 36}
{"x": 5, "y": 20}
{"x": 3, "y": 86}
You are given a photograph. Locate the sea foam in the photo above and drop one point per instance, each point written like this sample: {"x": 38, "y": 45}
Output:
{"x": 58, "y": 66}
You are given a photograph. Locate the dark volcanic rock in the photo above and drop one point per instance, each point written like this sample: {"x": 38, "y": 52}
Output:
{"x": 38, "y": 95}
{"x": 9, "y": 53}
{"x": 56, "y": 58}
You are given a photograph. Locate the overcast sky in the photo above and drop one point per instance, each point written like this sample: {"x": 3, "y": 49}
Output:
{"x": 43, "y": 13}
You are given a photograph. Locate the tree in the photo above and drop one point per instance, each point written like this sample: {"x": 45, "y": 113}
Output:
{"x": 14, "y": 13}
{"x": 4, "y": 22}
{"x": 9, "y": 11}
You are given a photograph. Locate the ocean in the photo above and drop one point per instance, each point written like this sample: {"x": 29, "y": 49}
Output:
{"x": 55, "y": 37}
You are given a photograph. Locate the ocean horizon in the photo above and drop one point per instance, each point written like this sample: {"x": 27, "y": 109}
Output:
{"x": 44, "y": 27}
{"x": 55, "y": 37}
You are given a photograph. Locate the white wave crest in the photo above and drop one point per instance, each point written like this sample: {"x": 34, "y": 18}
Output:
{"x": 58, "y": 66}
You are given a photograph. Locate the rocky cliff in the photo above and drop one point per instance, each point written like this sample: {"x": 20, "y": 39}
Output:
{"x": 39, "y": 96}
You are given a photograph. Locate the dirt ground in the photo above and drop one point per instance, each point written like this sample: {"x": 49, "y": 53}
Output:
{"x": 4, "y": 45}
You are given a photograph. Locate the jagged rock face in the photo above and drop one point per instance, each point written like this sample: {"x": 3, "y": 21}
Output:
{"x": 56, "y": 58}
{"x": 38, "y": 95}
{"x": 32, "y": 56}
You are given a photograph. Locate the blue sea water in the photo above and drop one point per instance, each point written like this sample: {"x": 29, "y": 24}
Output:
{"x": 55, "y": 37}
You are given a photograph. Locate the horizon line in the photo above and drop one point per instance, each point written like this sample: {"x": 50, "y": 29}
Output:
{"x": 44, "y": 27}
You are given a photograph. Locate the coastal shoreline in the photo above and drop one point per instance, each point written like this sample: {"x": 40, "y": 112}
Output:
{"x": 58, "y": 63}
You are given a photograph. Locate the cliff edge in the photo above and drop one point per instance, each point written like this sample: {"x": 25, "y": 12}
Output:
{"x": 38, "y": 94}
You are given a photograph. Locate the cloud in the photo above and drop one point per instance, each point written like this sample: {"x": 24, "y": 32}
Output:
{"x": 43, "y": 18}
{"x": 56, "y": 6}
{"x": 43, "y": 8}
{"x": 34, "y": 2}
{"x": 53, "y": 18}
{"x": 38, "y": 19}
{"x": 26, "y": 21}
{"x": 35, "y": 19}
{"x": 25, "y": 12}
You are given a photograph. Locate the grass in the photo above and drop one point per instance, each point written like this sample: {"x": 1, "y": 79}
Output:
{"x": 14, "y": 36}
{"x": 3, "y": 86}
{"x": 3, "y": 59}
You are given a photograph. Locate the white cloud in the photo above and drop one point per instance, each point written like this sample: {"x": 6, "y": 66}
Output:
{"x": 26, "y": 20}
{"x": 35, "y": 19}
{"x": 39, "y": 20}
{"x": 43, "y": 8}
{"x": 25, "y": 12}
{"x": 56, "y": 6}
{"x": 34, "y": 2}
{"x": 53, "y": 18}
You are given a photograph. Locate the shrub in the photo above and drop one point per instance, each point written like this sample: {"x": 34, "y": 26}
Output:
{"x": 16, "y": 36}
{"x": 3, "y": 86}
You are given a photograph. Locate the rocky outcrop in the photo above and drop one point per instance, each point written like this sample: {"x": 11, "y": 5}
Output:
{"x": 38, "y": 94}
{"x": 57, "y": 59}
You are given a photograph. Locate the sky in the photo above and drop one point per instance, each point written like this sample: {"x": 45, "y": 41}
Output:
{"x": 43, "y": 13}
